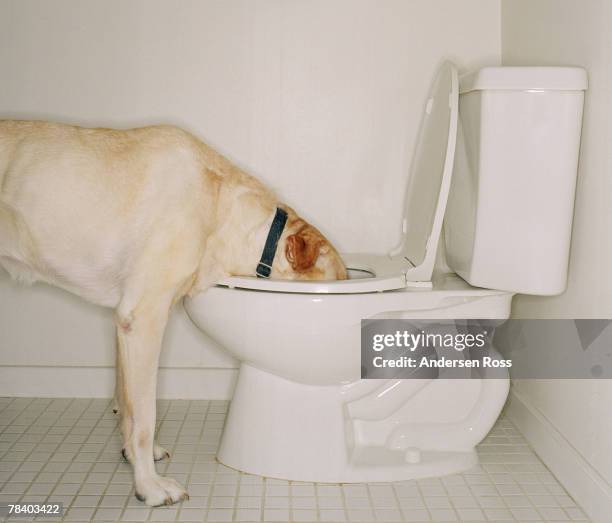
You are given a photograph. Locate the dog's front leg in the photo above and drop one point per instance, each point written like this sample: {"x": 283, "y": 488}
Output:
{"x": 139, "y": 338}
{"x": 159, "y": 452}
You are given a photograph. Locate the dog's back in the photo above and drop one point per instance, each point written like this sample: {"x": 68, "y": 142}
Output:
{"x": 90, "y": 200}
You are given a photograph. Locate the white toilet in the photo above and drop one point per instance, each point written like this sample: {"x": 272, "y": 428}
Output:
{"x": 508, "y": 140}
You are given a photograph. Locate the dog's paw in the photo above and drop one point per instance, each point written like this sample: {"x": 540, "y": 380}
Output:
{"x": 157, "y": 490}
{"x": 160, "y": 453}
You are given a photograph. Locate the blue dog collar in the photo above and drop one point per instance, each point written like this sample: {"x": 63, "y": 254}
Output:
{"x": 264, "y": 267}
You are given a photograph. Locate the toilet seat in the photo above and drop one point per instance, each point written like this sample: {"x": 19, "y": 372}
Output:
{"x": 383, "y": 273}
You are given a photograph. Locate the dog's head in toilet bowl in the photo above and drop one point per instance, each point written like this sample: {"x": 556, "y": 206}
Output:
{"x": 305, "y": 254}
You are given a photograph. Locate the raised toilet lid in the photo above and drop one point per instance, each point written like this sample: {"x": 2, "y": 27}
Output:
{"x": 424, "y": 206}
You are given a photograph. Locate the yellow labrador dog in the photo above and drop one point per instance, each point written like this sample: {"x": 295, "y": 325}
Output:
{"x": 135, "y": 220}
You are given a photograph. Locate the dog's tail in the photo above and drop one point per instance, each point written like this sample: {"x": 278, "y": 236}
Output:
{"x": 17, "y": 250}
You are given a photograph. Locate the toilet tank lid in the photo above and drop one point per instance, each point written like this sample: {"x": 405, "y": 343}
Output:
{"x": 525, "y": 78}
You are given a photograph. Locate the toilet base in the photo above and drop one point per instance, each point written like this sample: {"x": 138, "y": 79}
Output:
{"x": 433, "y": 464}
{"x": 281, "y": 429}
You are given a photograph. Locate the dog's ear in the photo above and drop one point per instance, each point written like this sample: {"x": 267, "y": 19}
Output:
{"x": 302, "y": 250}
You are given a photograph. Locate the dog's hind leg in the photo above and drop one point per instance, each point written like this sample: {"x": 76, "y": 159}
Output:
{"x": 16, "y": 245}
{"x": 139, "y": 339}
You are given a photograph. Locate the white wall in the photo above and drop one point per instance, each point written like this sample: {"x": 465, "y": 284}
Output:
{"x": 320, "y": 99}
{"x": 570, "y": 422}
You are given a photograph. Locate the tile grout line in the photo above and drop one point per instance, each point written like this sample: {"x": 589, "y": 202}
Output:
{"x": 214, "y": 476}
{"x": 109, "y": 438}
{"x": 262, "y": 511}
{"x": 199, "y": 441}
{"x": 174, "y": 449}
{"x": 92, "y": 463}
{"x": 344, "y": 503}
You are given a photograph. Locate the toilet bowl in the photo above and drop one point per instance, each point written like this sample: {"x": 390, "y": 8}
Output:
{"x": 300, "y": 410}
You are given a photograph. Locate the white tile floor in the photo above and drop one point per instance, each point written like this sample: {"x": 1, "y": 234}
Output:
{"x": 68, "y": 450}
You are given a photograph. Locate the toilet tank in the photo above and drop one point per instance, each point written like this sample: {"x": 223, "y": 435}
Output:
{"x": 509, "y": 216}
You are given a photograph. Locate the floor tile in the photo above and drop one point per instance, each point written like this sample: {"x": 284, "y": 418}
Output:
{"x": 68, "y": 450}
